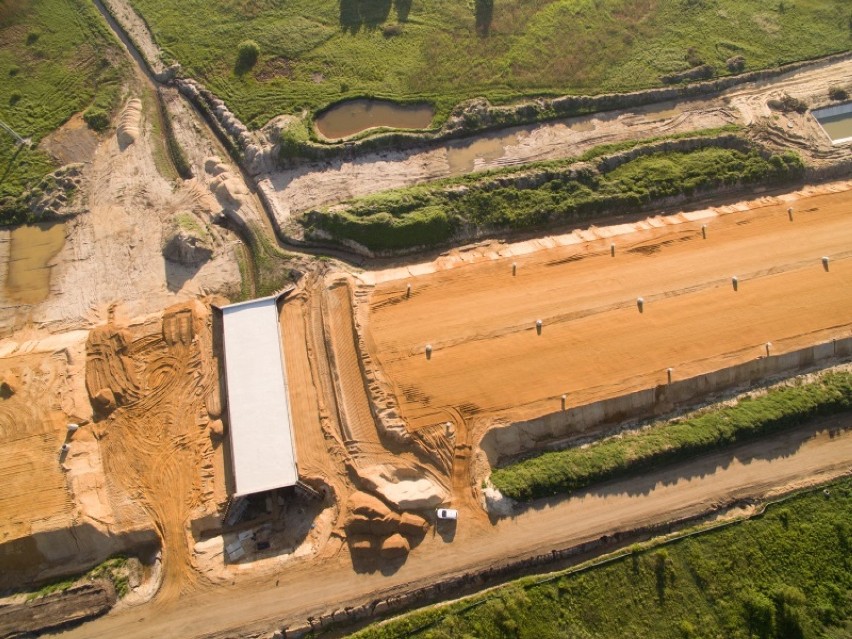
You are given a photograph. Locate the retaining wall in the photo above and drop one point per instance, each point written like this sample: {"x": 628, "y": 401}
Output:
{"x": 514, "y": 439}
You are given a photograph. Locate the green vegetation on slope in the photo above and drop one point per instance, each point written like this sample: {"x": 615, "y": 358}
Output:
{"x": 563, "y": 471}
{"x": 315, "y": 52}
{"x": 57, "y": 58}
{"x": 558, "y": 193}
{"x": 786, "y": 574}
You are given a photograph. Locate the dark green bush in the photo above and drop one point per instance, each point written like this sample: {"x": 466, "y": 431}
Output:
{"x": 248, "y": 52}
{"x": 97, "y": 118}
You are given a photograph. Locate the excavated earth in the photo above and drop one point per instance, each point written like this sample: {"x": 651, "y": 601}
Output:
{"x": 121, "y": 341}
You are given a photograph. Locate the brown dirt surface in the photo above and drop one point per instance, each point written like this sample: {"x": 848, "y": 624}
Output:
{"x": 159, "y": 460}
{"x": 796, "y": 459}
{"x": 488, "y": 362}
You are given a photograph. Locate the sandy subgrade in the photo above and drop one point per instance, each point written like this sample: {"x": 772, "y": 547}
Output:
{"x": 55, "y": 515}
{"x": 313, "y": 186}
{"x": 488, "y": 362}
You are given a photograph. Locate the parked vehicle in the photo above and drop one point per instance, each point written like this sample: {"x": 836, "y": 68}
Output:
{"x": 448, "y": 513}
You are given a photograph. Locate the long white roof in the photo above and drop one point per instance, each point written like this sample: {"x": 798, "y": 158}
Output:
{"x": 263, "y": 454}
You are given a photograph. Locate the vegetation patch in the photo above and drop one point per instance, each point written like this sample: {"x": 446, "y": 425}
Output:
{"x": 552, "y": 193}
{"x": 116, "y": 569}
{"x": 781, "y": 408}
{"x": 57, "y": 58}
{"x": 446, "y": 52}
{"x": 785, "y": 574}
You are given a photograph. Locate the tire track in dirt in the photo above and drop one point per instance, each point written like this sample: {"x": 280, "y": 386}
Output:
{"x": 155, "y": 444}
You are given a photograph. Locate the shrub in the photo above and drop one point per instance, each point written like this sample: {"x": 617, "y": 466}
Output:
{"x": 836, "y": 93}
{"x": 14, "y": 98}
{"x": 735, "y": 64}
{"x": 391, "y": 30}
{"x": 788, "y": 104}
{"x": 96, "y": 118}
{"x": 247, "y": 53}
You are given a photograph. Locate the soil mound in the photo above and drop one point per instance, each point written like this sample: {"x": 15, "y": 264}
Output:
{"x": 395, "y": 546}
{"x": 128, "y": 125}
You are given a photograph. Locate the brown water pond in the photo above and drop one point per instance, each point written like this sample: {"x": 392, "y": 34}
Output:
{"x": 354, "y": 116}
{"x": 30, "y": 250}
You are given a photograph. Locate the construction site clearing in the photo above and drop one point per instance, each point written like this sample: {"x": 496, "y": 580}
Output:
{"x": 394, "y": 378}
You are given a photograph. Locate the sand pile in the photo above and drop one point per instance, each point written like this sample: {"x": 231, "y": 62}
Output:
{"x": 127, "y": 131}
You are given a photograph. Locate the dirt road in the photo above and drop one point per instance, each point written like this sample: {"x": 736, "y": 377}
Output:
{"x": 489, "y": 363}
{"x": 812, "y": 454}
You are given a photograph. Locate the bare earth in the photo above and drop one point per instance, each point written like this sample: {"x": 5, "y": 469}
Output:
{"x": 488, "y": 362}
{"x": 756, "y": 470}
{"x": 124, "y": 345}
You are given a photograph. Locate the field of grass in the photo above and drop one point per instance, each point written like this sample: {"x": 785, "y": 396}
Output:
{"x": 57, "y": 58}
{"x": 571, "y": 469}
{"x": 432, "y": 215}
{"x": 316, "y": 52}
{"x": 784, "y": 575}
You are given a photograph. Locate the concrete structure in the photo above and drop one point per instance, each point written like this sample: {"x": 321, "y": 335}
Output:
{"x": 263, "y": 455}
{"x": 836, "y": 122}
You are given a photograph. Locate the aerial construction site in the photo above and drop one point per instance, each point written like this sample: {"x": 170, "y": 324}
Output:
{"x": 221, "y": 415}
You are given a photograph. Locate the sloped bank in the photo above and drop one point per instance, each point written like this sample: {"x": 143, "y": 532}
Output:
{"x": 552, "y": 194}
{"x": 525, "y": 480}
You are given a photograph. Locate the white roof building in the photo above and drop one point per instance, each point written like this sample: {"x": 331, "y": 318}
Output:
{"x": 263, "y": 455}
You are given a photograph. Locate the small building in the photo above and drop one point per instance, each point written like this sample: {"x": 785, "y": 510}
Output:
{"x": 260, "y": 424}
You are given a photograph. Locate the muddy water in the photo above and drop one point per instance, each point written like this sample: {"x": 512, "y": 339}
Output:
{"x": 838, "y": 127}
{"x": 30, "y": 250}
{"x": 354, "y": 116}
{"x": 462, "y": 156}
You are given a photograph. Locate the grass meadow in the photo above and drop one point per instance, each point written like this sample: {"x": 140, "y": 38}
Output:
{"x": 784, "y": 575}
{"x": 316, "y": 52}
{"x": 57, "y": 58}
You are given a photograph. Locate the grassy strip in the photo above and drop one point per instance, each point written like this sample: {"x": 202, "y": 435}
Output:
{"x": 549, "y": 194}
{"x": 564, "y": 471}
{"x": 176, "y": 153}
{"x": 113, "y": 569}
{"x": 317, "y": 52}
{"x": 57, "y": 58}
{"x": 787, "y": 573}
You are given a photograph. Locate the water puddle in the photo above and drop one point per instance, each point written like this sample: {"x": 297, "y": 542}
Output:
{"x": 836, "y": 122}
{"x": 30, "y": 250}
{"x": 462, "y": 156}
{"x": 354, "y": 116}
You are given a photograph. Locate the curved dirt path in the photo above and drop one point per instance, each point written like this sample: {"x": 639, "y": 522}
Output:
{"x": 809, "y": 455}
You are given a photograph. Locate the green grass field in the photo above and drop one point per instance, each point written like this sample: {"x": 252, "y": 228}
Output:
{"x": 57, "y": 58}
{"x": 784, "y": 575}
{"x": 571, "y": 469}
{"x": 315, "y": 52}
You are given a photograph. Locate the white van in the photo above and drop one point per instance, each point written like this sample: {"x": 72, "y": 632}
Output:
{"x": 447, "y": 513}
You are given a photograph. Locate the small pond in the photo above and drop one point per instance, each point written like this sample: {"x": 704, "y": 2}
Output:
{"x": 354, "y": 116}
{"x": 31, "y": 249}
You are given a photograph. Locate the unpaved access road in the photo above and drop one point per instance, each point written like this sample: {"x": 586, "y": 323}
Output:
{"x": 815, "y": 453}
{"x": 488, "y": 362}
